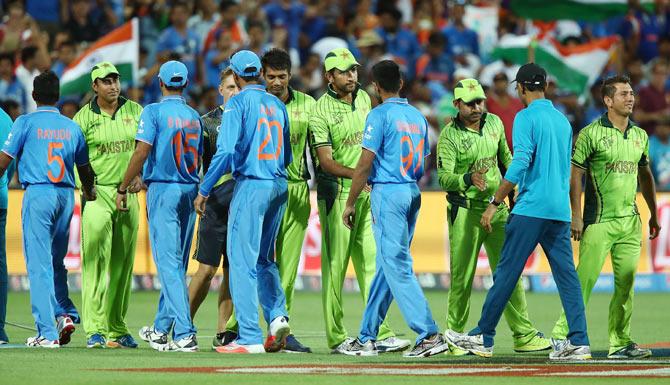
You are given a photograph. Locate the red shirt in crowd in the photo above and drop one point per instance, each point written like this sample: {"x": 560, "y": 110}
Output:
{"x": 506, "y": 110}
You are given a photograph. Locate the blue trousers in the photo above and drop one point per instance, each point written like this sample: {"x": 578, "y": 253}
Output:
{"x": 256, "y": 212}
{"x": 522, "y": 234}
{"x": 395, "y": 208}
{"x": 171, "y": 223}
{"x": 64, "y": 304}
{"x": 46, "y": 214}
{"x": 3, "y": 274}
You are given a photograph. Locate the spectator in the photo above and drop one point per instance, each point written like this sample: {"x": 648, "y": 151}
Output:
{"x": 152, "y": 16}
{"x": 641, "y": 31}
{"x": 462, "y": 40}
{"x": 486, "y": 77}
{"x": 435, "y": 65}
{"x": 231, "y": 19}
{"x": 218, "y": 58}
{"x": 288, "y": 13}
{"x": 47, "y": 13}
{"x": 371, "y": 50}
{"x": 82, "y": 27}
{"x": 26, "y": 72}
{"x": 310, "y": 76}
{"x": 257, "y": 38}
{"x": 205, "y": 19}
{"x": 67, "y": 52}
{"x": 179, "y": 39}
{"x": 652, "y": 106}
{"x": 400, "y": 42}
{"x": 659, "y": 152}
{"x": 596, "y": 107}
{"x": 10, "y": 87}
{"x": 501, "y": 103}
{"x": 14, "y": 27}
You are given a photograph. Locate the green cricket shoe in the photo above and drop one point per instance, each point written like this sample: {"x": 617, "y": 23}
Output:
{"x": 536, "y": 343}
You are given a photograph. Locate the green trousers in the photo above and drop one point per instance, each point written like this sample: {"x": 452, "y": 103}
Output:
{"x": 466, "y": 237}
{"x": 338, "y": 244}
{"x": 291, "y": 237}
{"x": 621, "y": 239}
{"x": 289, "y": 242}
{"x": 108, "y": 253}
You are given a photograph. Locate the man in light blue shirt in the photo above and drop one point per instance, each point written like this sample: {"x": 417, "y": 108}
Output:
{"x": 395, "y": 144}
{"x": 169, "y": 138}
{"x": 5, "y": 127}
{"x": 254, "y": 144}
{"x": 541, "y": 168}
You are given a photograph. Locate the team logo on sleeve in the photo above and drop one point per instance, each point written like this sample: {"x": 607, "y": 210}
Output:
{"x": 368, "y": 132}
{"x": 9, "y": 139}
{"x": 140, "y": 128}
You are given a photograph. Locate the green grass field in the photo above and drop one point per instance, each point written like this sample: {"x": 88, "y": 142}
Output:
{"x": 74, "y": 364}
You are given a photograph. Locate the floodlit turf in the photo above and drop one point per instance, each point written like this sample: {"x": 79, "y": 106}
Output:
{"x": 75, "y": 364}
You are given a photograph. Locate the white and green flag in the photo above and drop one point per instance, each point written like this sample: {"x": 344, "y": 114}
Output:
{"x": 120, "y": 47}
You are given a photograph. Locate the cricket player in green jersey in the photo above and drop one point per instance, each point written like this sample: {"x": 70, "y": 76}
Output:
{"x": 213, "y": 226}
{"x": 613, "y": 153}
{"x": 336, "y": 130}
{"x": 469, "y": 150}
{"x": 109, "y": 123}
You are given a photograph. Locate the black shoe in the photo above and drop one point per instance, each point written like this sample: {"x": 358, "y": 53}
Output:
{"x": 294, "y": 346}
{"x": 223, "y": 339}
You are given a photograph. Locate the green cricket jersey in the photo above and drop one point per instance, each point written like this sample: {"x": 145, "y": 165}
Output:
{"x": 212, "y": 123}
{"x": 110, "y": 138}
{"x": 462, "y": 151}
{"x": 611, "y": 159}
{"x": 340, "y": 125}
{"x": 299, "y": 107}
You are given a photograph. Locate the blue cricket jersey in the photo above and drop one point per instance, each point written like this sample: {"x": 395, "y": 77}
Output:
{"x": 47, "y": 145}
{"x": 174, "y": 131}
{"x": 398, "y": 135}
{"x": 5, "y": 127}
{"x": 254, "y": 139}
{"x": 542, "y": 139}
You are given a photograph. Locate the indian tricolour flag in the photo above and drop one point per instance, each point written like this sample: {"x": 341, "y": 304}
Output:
{"x": 573, "y": 9}
{"x": 120, "y": 47}
{"x": 575, "y": 67}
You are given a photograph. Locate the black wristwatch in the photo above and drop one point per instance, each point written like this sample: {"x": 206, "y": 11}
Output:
{"x": 121, "y": 192}
{"x": 492, "y": 200}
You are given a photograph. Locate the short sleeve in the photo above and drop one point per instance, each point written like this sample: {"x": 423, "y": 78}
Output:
{"x": 374, "y": 132}
{"x": 583, "y": 150}
{"x": 426, "y": 138}
{"x": 15, "y": 139}
{"x": 146, "y": 129}
{"x": 644, "y": 159}
{"x": 318, "y": 130}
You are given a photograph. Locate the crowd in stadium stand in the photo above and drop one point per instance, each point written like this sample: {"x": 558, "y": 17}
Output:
{"x": 428, "y": 38}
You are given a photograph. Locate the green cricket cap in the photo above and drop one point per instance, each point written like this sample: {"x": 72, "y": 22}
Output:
{"x": 340, "y": 58}
{"x": 102, "y": 70}
{"x": 468, "y": 90}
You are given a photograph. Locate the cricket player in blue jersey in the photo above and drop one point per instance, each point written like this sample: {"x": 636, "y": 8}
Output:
{"x": 47, "y": 145}
{"x": 169, "y": 138}
{"x": 254, "y": 144}
{"x": 395, "y": 144}
{"x": 5, "y": 127}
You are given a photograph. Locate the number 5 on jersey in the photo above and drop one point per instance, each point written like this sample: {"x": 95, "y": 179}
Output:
{"x": 51, "y": 157}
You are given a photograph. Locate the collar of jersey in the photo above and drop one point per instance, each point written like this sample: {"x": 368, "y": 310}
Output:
{"x": 330, "y": 91}
{"x": 605, "y": 122}
{"x": 458, "y": 123}
{"x": 95, "y": 107}
{"x": 177, "y": 98}
{"x": 396, "y": 100}
{"x": 290, "y": 96}
{"x": 48, "y": 109}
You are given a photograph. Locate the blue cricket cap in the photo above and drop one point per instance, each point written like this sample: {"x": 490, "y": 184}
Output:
{"x": 245, "y": 63}
{"x": 173, "y": 74}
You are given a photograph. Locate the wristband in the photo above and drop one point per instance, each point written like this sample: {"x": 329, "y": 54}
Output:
{"x": 121, "y": 192}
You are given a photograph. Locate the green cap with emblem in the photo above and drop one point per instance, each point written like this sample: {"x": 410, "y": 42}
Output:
{"x": 468, "y": 90}
{"x": 340, "y": 58}
{"x": 102, "y": 70}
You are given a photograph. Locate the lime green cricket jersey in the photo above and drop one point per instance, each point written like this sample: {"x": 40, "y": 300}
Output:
{"x": 462, "y": 151}
{"x": 611, "y": 159}
{"x": 340, "y": 125}
{"x": 110, "y": 138}
{"x": 299, "y": 107}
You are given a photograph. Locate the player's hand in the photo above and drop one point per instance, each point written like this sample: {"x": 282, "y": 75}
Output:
{"x": 487, "y": 217}
{"x": 122, "y": 201}
{"x": 89, "y": 195}
{"x": 367, "y": 188}
{"x": 349, "y": 216}
{"x": 512, "y": 199}
{"x": 654, "y": 227}
{"x": 199, "y": 204}
{"x": 479, "y": 179}
{"x": 577, "y": 227}
{"x": 135, "y": 185}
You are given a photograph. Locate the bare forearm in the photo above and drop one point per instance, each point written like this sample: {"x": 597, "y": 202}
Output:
{"x": 334, "y": 168}
{"x": 648, "y": 189}
{"x": 86, "y": 175}
{"x": 358, "y": 183}
{"x": 576, "y": 195}
{"x": 503, "y": 191}
{"x": 134, "y": 168}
